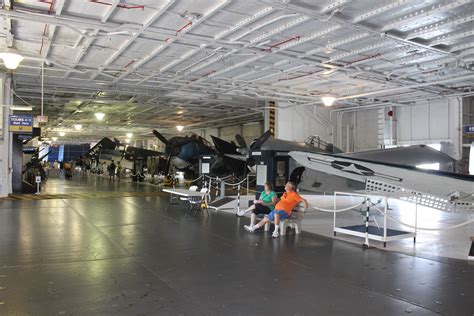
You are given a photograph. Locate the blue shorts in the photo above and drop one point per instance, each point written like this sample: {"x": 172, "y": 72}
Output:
{"x": 271, "y": 215}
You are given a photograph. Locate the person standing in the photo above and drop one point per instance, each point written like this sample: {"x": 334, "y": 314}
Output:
{"x": 119, "y": 170}
{"x": 111, "y": 170}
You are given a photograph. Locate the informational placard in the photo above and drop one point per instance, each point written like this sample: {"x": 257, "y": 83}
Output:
{"x": 205, "y": 168}
{"x": 21, "y": 123}
{"x": 42, "y": 119}
{"x": 469, "y": 129}
{"x": 261, "y": 174}
{"x": 38, "y": 179}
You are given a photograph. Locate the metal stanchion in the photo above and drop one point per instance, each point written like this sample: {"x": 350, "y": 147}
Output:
{"x": 366, "y": 244}
{"x": 238, "y": 199}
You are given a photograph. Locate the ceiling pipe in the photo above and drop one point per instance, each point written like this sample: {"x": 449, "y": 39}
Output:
{"x": 122, "y": 6}
{"x": 425, "y": 84}
{"x": 281, "y": 43}
{"x": 360, "y": 28}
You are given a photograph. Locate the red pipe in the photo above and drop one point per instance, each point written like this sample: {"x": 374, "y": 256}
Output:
{"x": 122, "y": 6}
{"x": 181, "y": 29}
{"x": 282, "y": 42}
{"x": 51, "y": 4}
{"x": 300, "y": 76}
{"x": 205, "y": 75}
{"x": 131, "y": 62}
{"x": 365, "y": 58}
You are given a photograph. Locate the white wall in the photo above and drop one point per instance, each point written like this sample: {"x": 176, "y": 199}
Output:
{"x": 431, "y": 122}
{"x": 357, "y": 131}
{"x": 299, "y": 122}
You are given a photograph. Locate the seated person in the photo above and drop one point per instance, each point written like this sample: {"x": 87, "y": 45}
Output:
{"x": 283, "y": 209}
{"x": 264, "y": 205}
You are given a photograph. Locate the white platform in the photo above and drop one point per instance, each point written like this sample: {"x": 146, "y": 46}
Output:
{"x": 445, "y": 243}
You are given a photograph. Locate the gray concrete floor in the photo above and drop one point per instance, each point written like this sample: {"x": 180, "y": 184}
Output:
{"x": 135, "y": 256}
{"x": 439, "y": 244}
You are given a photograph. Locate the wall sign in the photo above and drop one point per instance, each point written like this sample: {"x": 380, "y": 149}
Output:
{"x": 469, "y": 129}
{"x": 21, "y": 123}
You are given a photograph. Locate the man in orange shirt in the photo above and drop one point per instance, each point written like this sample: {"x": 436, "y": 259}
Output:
{"x": 283, "y": 209}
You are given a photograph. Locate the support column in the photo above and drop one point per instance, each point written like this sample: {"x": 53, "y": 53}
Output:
{"x": 5, "y": 141}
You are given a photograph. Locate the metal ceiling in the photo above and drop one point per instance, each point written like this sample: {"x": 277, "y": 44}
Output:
{"x": 205, "y": 63}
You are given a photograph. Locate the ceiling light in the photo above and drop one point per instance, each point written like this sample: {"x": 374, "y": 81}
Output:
{"x": 62, "y": 134}
{"x": 127, "y": 141}
{"x": 54, "y": 138}
{"x": 129, "y": 135}
{"x": 179, "y": 127}
{"x": 100, "y": 116}
{"x": 180, "y": 112}
{"x": 21, "y": 108}
{"x": 78, "y": 127}
{"x": 11, "y": 58}
{"x": 328, "y": 100}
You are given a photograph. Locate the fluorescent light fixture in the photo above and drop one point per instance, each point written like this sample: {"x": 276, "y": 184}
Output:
{"x": 11, "y": 58}
{"x": 129, "y": 135}
{"x": 54, "y": 138}
{"x": 100, "y": 116}
{"x": 78, "y": 127}
{"x": 62, "y": 134}
{"x": 21, "y": 108}
{"x": 429, "y": 166}
{"x": 328, "y": 100}
{"x": 179, "y": 127}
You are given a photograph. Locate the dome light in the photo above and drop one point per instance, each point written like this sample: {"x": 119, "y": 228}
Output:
{"x": 11, "y": 58}
{"x": 100, "y": 116}
{"x": 78, "y": 127}
{"x": 328, "y": 100}
{"x": 179, "y": 127}
{"x": 54, "y": 138}
{"x": 129, "y": 135}
{"x": 62, "y": 134}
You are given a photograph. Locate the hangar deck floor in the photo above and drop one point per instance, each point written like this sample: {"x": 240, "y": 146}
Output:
{"x": 132, "y": 256}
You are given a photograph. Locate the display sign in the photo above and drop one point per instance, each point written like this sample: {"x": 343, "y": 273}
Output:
{"x": 21, "y": 123}
{"x": 261, "y": 174}
{"x": 38, "y": 179}
{"x": 469, "y": 129}
{"x": 42, "y": 119}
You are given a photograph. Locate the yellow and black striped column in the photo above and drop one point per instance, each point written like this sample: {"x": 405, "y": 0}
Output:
{"x": 271, "y": 117}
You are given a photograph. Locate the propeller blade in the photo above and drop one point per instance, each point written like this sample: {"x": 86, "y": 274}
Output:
{"x": 168, "y": 164}
{"x": 161, "y": 137}
{"x": 236, "y": 157}
{"x": 262, "y": 139}
{"x": 241, "y": 141}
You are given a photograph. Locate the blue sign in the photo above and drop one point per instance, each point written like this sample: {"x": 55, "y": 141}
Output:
{"x": 469, "y": 129}
{"x": 21, "y": 123}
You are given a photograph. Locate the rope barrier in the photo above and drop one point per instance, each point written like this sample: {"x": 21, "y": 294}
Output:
{"x": 424, "y": 228}
{"x": 217, "y": 178}
{"x": 340, "y": 210}
{"x": 234, "y": 184}
{"x": 197, "y": 178}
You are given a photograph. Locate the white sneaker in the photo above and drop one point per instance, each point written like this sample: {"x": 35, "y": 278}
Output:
{"x": 249, "y": 228}
{"x": 240, "y": 213}
{"x": 275, "y": 234}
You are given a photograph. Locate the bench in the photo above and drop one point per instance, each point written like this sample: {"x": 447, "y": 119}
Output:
{"x": 294, "y": 221}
